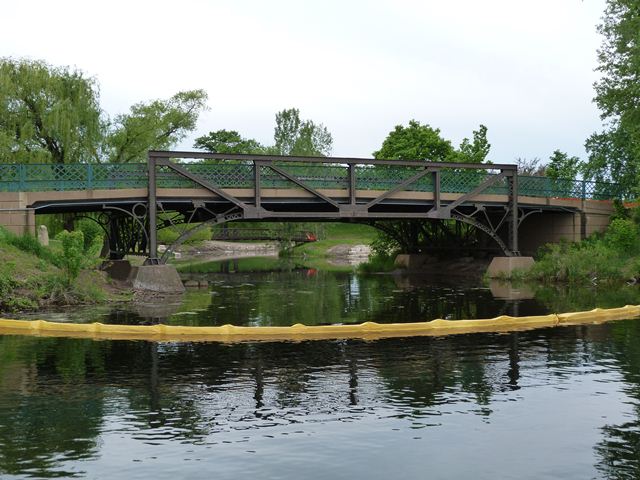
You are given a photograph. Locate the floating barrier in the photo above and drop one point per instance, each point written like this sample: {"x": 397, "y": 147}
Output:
{"x": 299, "y": 332}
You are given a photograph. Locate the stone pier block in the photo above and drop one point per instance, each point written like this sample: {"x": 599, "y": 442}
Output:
{"x": 503, "y": 266}
{"x": 157, "y": 278}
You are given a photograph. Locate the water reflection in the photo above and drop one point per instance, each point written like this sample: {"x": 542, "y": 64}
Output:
{"x": 86, "y": 408}
{"x": 318, "y": 297}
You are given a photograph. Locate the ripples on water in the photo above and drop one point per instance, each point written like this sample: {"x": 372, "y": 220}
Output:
{"x": 552, "y": 403}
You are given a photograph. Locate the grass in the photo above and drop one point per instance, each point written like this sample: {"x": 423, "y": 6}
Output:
{"x": 336, "y": 234}
{"x": 30, "y": 278}
{"x": 611, "y": 257}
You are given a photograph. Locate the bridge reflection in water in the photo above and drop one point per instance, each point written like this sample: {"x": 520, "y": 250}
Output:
{"x": 235, "y": 410}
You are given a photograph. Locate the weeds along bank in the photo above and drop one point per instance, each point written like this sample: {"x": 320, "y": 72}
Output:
{"x": 609, "y": 257}
{"x": 34, "y": 276}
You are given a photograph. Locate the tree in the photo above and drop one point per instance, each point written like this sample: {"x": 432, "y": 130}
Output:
{"x": 562, "y": 167}
{"x": 294, "y": 136}
{"x": 614, "y": 154}
{"x": 530, "y": 167}
{"x": 422, "y": 142}
{"x": 48, "y": 114}
{"x": 415, "y": 142}
{"x": 156, "y": 125}
{"x": 52, "y": 114}
{"x": 477, "y": 150}
{"x": 227, "y": 141}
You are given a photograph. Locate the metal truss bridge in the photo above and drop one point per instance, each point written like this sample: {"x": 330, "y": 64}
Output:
{"x": 194, "y": 189}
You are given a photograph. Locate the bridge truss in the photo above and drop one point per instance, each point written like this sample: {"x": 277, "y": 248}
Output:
{"x": 361, "y": 190}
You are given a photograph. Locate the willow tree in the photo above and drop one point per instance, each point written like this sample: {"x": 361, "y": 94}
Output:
{"x": 47, "y": 114}
{"x": 155, "y": 125}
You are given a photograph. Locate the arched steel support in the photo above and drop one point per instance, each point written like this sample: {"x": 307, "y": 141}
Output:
{"x": 233, "y": 214}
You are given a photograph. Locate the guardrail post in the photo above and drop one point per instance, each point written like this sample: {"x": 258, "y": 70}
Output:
{"x": 584, "y": 190}
{"x": 90, "y": 177}
{"x": 22, "y": 178}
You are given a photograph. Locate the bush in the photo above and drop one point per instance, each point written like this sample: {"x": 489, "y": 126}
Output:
{"x": 379, "y": 262}
{"x": 622, "y": 235}
{"x": 588, "y": 262}
{"x": 93, "y": 236}
{"x": 170, "y": 234}
{"x": 72, "y": 258}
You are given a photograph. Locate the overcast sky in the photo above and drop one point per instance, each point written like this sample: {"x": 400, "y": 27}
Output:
{"x": 524, "y": 69}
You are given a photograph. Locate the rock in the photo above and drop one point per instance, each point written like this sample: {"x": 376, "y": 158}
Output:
{"x": 43, "y": 235}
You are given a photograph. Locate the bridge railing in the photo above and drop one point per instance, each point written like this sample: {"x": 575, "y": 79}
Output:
{"x": 321, "y": 173}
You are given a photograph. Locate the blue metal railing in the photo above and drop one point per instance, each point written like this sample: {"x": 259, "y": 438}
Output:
{"x": 67, "y": 177}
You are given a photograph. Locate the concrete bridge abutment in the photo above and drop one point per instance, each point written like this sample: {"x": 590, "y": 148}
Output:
{"x": 15, "y": 216}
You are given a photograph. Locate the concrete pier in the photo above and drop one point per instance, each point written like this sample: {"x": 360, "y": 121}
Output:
{"x": 504, "y": 266}
{"x": 154, "y": 278}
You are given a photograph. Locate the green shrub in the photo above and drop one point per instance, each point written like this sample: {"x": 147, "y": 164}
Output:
{"x": 93, "y": 235}
{"x": 170, "y": 234}
{"x": 379, "y": 262}
{"x": 72, "y": 258}
{"x": 589, "y": 262}
{"x": 622, "y": 235}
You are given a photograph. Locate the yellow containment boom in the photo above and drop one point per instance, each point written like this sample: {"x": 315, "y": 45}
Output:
{"x": 299, "y": 332}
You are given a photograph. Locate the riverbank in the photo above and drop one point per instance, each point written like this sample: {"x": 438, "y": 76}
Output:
{"x": 605, "y": 258}
{"x": 33, "y": 276}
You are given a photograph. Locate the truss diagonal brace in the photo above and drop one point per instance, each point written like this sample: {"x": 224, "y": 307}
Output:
{"x": 479, "y": 189}
{"x": 397, "y": 188}
{"x": 303, "y": 185}
{"x": 212, "y": 188}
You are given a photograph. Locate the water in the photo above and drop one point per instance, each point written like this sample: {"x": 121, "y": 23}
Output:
{"x": 549, "y": 403}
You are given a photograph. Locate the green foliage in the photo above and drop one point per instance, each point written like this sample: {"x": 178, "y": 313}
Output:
{"x": 604, "y": 257}
{"x": 155, "y": 125}
{"x": 47, "y": 114}
{"x": 93, "y": 236}
{"x": 378, "y": 262}
{"x": 415, "y": 142}
{"x": 227, "y": 141}
{"x": 26, "y": 243}
{"x": 170, "y": 234}
{"x": 52, "y": 114}
{"x": 614, "y": 154}
{"x": 73, "y": 257}
{"x": 292, "y": 136}
{"x": 589, "y": 262}
{"x": 530, "y": 166}
{"x": 477, "y": 150}
{"x": 562, "y": 167}
{"x": 623, "y": 236}
{"x": 422, "y": 142}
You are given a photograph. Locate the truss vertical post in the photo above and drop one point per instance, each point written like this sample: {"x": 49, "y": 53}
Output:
{"x": 512, "y": 180}
{"x": 436, "y": 189}
{"x": 352, "y": 184}
{"x": 257, "y": 192}
{"x": 152, "y": 209}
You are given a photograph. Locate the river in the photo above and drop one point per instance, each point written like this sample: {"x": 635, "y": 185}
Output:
{"x": 547, "y": 403}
